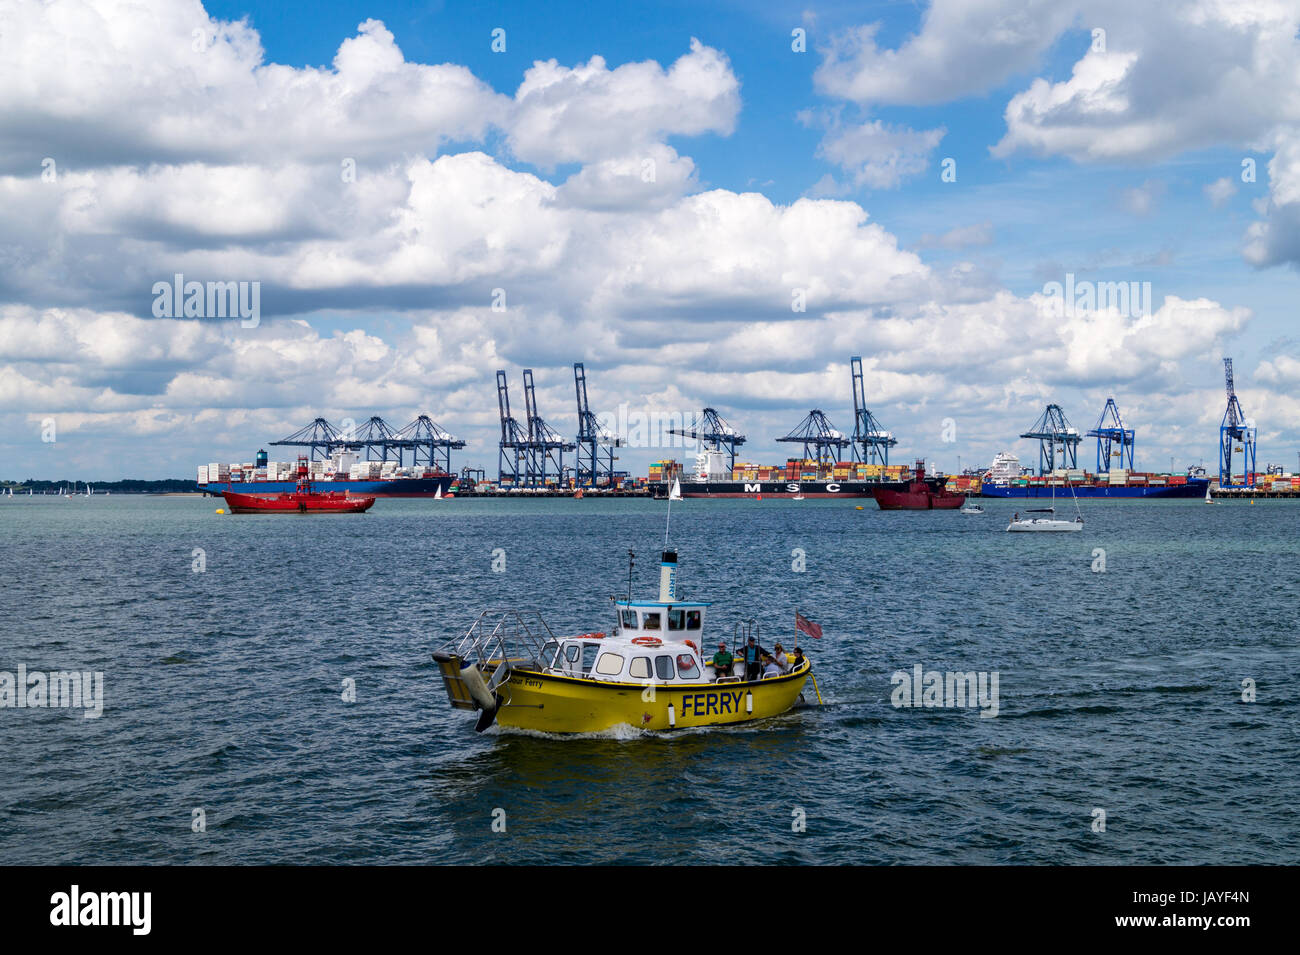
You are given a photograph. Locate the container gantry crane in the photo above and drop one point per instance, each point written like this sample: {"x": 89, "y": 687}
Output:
{"x": 595, "y": 446}
{"x": 871, "y": 442}
{"x": 1236, "y": 435}
{"x": 821, "y": 442}
{"x": 546, "y": 446}
{"x": 1113, "y": 439}
{"x": 512, "y": 459}
{"x": 715, "y": 434}
{"x": 428, "y": 443}
{"x": 1058, "y": 440}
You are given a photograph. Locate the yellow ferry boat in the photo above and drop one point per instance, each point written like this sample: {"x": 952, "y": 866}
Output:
{"x": 647, "y": 673}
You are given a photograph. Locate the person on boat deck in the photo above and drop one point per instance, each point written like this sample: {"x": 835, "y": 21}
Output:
{"x": 770, "y": 667}
{"x": 797, "y": 662}
{"x": 753, "y": 655}
{"x": 778, "y": 654}
{"x": 722, "y": 661}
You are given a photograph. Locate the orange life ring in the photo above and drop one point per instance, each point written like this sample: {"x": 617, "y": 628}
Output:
{"x": 648, "y": 641}
{"x": 590, "y": 636}
{"x": 691, "y": 644}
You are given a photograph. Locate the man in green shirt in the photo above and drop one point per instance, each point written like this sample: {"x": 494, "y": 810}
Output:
{"x": 722, "y": 661}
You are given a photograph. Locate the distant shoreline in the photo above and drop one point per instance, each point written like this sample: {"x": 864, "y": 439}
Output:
{"x": 123, "y": 486}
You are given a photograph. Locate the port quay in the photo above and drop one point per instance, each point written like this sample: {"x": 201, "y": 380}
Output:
{"x": 416, "y": 460}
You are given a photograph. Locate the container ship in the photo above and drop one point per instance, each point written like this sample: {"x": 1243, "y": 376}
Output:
{"x": 1004, "y": 479}
{"x": 343, "y": 471}
{"x": 797, "y": 478}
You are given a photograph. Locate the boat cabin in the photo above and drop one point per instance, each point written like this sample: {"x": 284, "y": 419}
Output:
{"x": 655, "y": 641}
{"x": 668, "y": 620}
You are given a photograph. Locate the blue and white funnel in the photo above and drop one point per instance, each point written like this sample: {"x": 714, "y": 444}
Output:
{"x": 668, "y": 577}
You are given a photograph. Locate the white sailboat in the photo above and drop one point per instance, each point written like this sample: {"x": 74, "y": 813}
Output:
{"x": 1049, "y": 524}
{"x": 676, "y": 493}
{"x": 970, "y": 507}
{"x": 1208, "y": 499}
{"x": 437, "y": 494}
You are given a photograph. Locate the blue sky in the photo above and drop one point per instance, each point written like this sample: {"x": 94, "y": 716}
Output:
{"x": 944, "y": 300}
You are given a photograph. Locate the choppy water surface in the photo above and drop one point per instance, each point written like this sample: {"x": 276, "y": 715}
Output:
{"x": 1119, "y": 690}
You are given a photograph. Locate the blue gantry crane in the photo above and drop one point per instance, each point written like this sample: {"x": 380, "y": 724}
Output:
{"x": 871, "y": 442}
{"x": 821, "y": 442}
{"x": 595, "y": 455}
{"x": 1113, "y": 439}
{"x": 1236, "y": 435}
{"x": 320, "y": 437}
{"x": 546, "y": 446}
{"x": 1058, "y": 440}
{"x": 512, "y": 461}
{"x": 715, "y": 434}
{"x": 428, "y": 443}
{"x": 375, "y": 440}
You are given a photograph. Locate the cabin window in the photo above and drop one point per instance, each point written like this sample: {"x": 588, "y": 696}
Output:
{"x": 589, "y": 651}
{"x": 548, "y": 652}
{"x": 609, "y": 664}
{"x": 650, "y": 621}
{"x": 676, "y": 619}
{"x": 686, "y": 668}
{"x": 640, "y": 668}
{"x": 664, "y": 667}
{"x": 692, "y": 620}
{"x": 629, "y": 620}
{"x": 571, "y": 652}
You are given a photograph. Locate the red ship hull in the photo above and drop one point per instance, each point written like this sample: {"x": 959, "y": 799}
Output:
{"x": 307, "y": 502}
{"x": 926, "y": 500}
{"x": 919, "y": 496}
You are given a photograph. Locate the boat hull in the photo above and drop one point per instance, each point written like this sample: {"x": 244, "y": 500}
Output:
{"x": 395, "y": 487}
{"x": 1195, "y": 487}
{"x": 1044, "y": 527}
{"x": 297, "y": 504}
{"x": 551, "y": 703}
{"x": 918, "y": 500}
{"x": 777, "y": 489}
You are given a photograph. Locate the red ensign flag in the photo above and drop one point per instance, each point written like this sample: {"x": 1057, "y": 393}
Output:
{"x": 804, "y": 625}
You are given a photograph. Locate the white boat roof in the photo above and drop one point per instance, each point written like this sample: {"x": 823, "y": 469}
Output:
{"x": 661, "y": 603}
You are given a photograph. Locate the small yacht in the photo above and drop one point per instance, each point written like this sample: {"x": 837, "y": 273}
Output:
{"x": 1043, "y": 524}
{"x": 1048, "y": 524}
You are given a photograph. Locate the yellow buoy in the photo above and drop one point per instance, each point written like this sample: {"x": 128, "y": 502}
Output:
{"x": 858, "y": 507}
{"x": 221, "y": 510}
